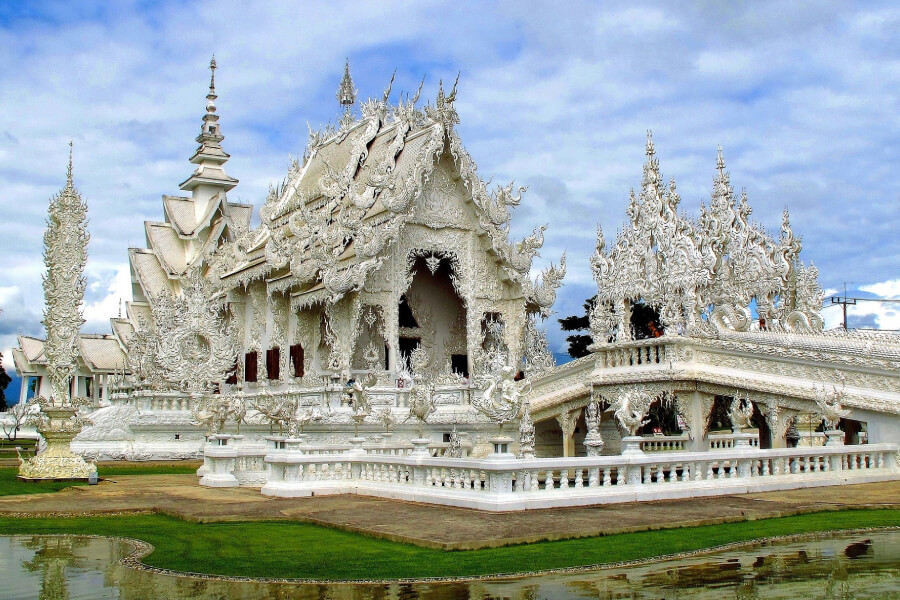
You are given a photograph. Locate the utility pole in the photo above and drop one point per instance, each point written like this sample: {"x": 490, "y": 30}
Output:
{"x": 844, "y": 302}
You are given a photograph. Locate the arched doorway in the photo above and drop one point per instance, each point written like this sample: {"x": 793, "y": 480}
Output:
{"x": 432, "y": 314}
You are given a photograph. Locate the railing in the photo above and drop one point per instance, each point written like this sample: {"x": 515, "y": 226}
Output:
{"x": 665, "y": 443}
{"x": 510, "y": 484}
{"x": 643, "y": 352}
{"x": 725, "y": 441}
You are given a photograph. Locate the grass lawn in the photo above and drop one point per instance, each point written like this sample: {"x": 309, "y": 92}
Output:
{"x": 10, "y": 484}
{"x": 299, "y": 550}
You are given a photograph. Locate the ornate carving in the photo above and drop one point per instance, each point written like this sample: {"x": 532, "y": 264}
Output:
{"x": 631, "y": 408}
{"x": 526, "y": 434}
{"x": 196, "y": 346}
{"x": 701, "y": 275}
{"x": 740, "y": 412}
{"x": 829, "y": 403}
{"x": 65, "y": 254}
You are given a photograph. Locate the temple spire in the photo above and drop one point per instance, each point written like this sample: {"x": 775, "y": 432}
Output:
{"x": 210, "y": 131}
{"x": 210, "y": 157}
{"x": 720, "y": 160}
{"x": 346, "y": 93}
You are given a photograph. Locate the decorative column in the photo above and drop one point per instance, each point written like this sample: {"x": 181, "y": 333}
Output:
{"x": 65, "y": 254}
{"x": 257, "y": 329}
{"x": 778, "y": 422}
{"x": 593, "y": 441}
{"x": 280, "y": 328}
{"x": 566, "y": 420}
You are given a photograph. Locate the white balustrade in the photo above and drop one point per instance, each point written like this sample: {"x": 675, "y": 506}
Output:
{"x": 726, "y": 441}
{"x": 631, "y": 354}
{"x": 503, "y": 485}
{"x": 665, "y": 443}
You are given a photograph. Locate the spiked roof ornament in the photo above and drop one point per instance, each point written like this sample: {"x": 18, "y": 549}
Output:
{"x": 346, "y": 93}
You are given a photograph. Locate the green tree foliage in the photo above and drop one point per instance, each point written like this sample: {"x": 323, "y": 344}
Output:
{"x": 579, "y": 342}
{"x": 5, "y": 379}
{"x": 645, "y": 321}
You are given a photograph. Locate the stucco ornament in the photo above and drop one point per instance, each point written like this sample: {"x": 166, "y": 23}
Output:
{"x": 593, "y": 441}
{"x": 280, "y": 411}
{"x": 360, "y": 405}
{"x": 632, "y": 406}
{"x": 740, "y": 412}
{"x": 65, "y": 255}
{"x": 502, "y": 400}
{"x": 196, "y": 345}
{"x": 526, "y": 433}
{"x": 701, "y": 276}
{"x": 421, "y": 395}
{"x": 454, "y": 450}
{"x": 829, "y": 402}
{"x": 538, "y": 358}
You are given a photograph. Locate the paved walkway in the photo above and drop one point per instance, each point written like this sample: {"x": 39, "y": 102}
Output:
{"x": 437, "y": 526}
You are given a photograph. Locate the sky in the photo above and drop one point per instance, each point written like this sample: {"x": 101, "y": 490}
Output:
{"x": 802, "y": 96}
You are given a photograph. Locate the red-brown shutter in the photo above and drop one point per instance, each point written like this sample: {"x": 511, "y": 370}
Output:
{"x": 250, "y": 367}
{"x": 273, "y": 362}
{"x": 296, "y": 354}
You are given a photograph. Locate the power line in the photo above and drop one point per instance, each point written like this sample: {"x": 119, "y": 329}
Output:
{"x": 844, "y": 301}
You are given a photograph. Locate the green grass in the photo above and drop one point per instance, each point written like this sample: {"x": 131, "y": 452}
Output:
{"x": 11, "y": 485}
{"x": 147, "y": 469}
{"x": 299, "y": 550}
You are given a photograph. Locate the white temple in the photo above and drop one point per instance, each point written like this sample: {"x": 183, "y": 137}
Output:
{"x": 380, "y": 318}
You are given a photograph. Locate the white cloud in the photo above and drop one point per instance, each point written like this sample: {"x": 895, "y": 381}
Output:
{"x": 98, "y": 313}
{"x": 884, "y": 289}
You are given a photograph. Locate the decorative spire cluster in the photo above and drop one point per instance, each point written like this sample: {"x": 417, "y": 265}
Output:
{"x": 701, "y": 272}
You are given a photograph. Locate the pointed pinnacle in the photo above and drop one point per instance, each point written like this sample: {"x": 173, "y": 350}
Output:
{"x": 69, "y": 170}
{"x": 452, "y": 95}
{"x": 212, "y": 77}
{"x": 650, "y": 151}
{"x": 720, "y": 160}
{"x": 390, "y": 86}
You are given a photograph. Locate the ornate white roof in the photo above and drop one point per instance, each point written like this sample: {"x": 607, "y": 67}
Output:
{"x": 333, "y": 219}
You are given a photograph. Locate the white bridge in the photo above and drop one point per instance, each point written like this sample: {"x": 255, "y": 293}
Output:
{"x": 781, "y": 374}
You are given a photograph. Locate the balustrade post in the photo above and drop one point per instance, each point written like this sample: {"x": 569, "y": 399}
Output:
{"x": 633, "y": 475}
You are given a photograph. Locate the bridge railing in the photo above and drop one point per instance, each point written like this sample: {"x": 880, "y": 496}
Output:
{"x": 635, "y": 353}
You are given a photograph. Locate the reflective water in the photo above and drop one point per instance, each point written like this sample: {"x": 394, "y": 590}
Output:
{"x": 848, "y": 566}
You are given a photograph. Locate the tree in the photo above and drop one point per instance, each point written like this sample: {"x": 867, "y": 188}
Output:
{"x": 13, "y": 419}
{"x": 5, "y": 379}
{"x": 579, "y": 342}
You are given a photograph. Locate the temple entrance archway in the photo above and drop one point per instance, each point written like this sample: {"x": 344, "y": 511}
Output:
{"x": 432, "y": 313}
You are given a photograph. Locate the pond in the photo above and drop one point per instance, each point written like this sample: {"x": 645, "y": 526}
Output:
{"x": 840, "y": 566}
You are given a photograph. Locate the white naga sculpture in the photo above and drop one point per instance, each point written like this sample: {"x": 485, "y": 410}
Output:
{"x": 65, "y": 254}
